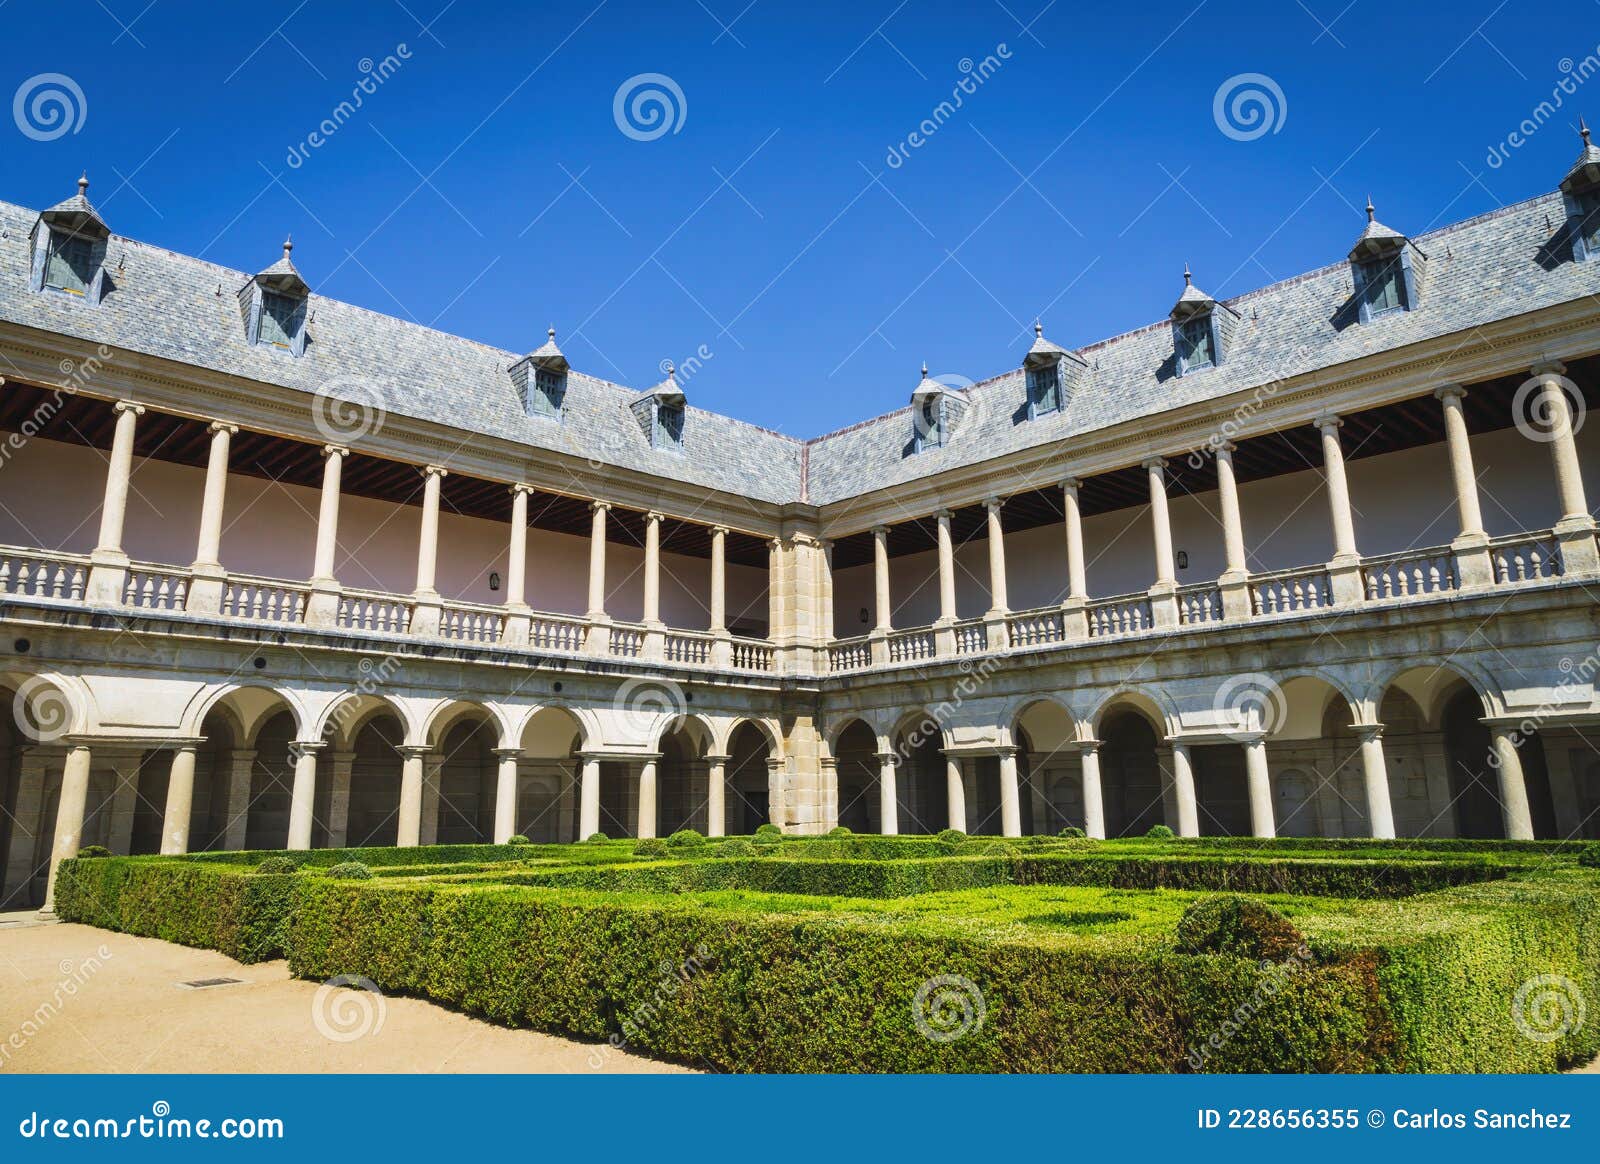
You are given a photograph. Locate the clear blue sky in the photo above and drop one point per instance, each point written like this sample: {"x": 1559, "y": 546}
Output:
{"x": 485, "y": 188}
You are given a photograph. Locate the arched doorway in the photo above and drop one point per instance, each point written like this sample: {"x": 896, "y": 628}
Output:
{"x": 1048, "y": 768}
{"x": 373, "y": 813}
{"x": 856, "y": 764}
{"x": 547, "y": 778}
{"x": 682, "y": 778}
{"x": 271, "y": 784}
{"x": 467, "y": 773}
{"x": 921, "y": 787}
{"x": 1474, "y": 780}
{"x": 748, "y": 803}
{"x": 1130, "y": 773}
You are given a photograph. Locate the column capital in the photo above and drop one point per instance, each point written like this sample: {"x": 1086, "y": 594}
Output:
{"x": 1223, "y": 449}
{"x": 720, "y": 531}
{"x": 508, "y": 753}
{"x": 226, "y": 426}
{"x": 993, "y": 503}
{"x": 520, "y": 487}
{"x": 300, "y": 748}
{"x": 944, "y": 515}
{"x": 1087, "y": 745}
{"x": 1154, "y": 463}
{"x": 413, "y": 751}
{"x": 1548, "y": 368}
{"x": 128, "y": 406}
{"x": 335, "y": 451}
{"x": 880, "y": 531}
{"x": 600, "y": 506}
{"x": 717, "y": 758}
{"x": 435, "y": 471}
{"x": 1368, "y": 731}
{"x": 1072, "y": 484}
{"x": 1326, "y": 421}
{"x": 1451, "y": 391}
{"x": 888, "y": 759}
{"x": 654, "y": 516}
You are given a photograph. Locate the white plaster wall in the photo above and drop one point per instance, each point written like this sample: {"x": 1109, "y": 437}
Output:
{"x": 50, "y": 495}
{"x": 1401, "y": 500}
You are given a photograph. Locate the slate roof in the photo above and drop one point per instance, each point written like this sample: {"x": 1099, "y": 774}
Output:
{"x": 1498, "y": 265}
{"x": 186, "y": 309}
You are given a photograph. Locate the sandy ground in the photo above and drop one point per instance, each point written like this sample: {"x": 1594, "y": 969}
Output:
{"x": 130, "y": 1015}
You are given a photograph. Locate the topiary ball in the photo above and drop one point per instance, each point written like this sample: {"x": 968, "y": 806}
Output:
{"x": 950, "y": 836}
{"x": 840, "y": 831}
{"x": 734, "y": 847}
{"x": 650, "y": 847}
{"x": 769, "y": 830}
{"x": 1073, "y": 832}
{"x": 278, "y": 865}
{"x": 1588, "y": 856}
{"x": 94, "y": 851}
{"x": 350, "y": 871}
{"x": 597, "y": 837}
{"x": 1160, "y": 833}
{"x": 686, "y": 839}
{"x": 518, "y": 839}
{"x": 985, "y": 847}
{"x": 1231, "y": 924}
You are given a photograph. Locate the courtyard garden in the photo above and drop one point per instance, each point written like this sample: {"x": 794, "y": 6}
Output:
{"x": 946, "y": 953}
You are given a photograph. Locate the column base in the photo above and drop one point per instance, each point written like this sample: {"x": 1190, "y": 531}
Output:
{"x": 722, "y": 649}
{"x": 1075, "y": 619}
{"x": 322, "y": 608}
{"x": 1164, "y": 604}
{"x": 944, "y": 639}
{"x": 597, "y": 641}
{"x": 207, "y": 581}
{"x": 878, "y": 644}
{"x": 655, "y": 643}
{"x": 108, "y": 578}
{"x": 1344, "y": 579}
{"x": 1579, "y": 556}
{"x": 427, "y": 613}
{"x": 1474, "y": 567}
{"x": 517, "y": 627}
{"x": 997, "y": 630}
{"x": 1235, "y": 591}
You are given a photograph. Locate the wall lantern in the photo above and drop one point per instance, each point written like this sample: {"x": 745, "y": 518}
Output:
{"x": 865, "y": 616}
{"x": 1183, "y": 560}
{"x": 494, "y": 579}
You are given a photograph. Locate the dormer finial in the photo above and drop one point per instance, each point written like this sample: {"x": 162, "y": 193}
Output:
{"x": 288, "y": 245}
{"x": 1583, "y": 131}
{"x": 670, "y": 370}
{"x": 1188, "y": 278}
{"x": 1371, "y": 209}
{"x": 924, "y": 369}
{"x": 552, "y": 333}
{"x": 1038, "y": 328}
{"x": 83, "y": 184}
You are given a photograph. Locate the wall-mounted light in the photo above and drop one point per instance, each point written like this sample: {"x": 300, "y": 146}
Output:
{"x": 866, "y": 616}
{"x": 1183, "y": 560}
{"x": 494, "y": 579}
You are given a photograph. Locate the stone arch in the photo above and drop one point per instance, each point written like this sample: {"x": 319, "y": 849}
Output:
{"x": 345, "y": 716}
{"x": 1049, "y": 772}
{"x": 449, "y": 713}
{"x": 1154, "y": 706}
{"x": 248, "y": 703}
{"x": 854, "y": 748}
{"x": 551, "y": 739}
{"x": 683, "y": 775}
{"x": 544, "y": 724}
{"x": 750, "y": 796}
{"x": 921, "y": 791}
{"x": 1431, "y": 685}
{"x": 767, "y": 727}
{"x": 47, "y": 705}
{"x": 39, "y": 709}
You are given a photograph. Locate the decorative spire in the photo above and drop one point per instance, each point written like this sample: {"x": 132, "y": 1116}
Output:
{"x": 671, "y": 371}
{"x": 1583, "y": 131}
{"x": 924, "y": 369}
{"x": 83, "y": 183}
{"x": 288, "y": 245}
{"x": 1371, "y": 210}
{"x": 1188, "y": 279}
{"x": 1038, "y": 328}
{"x": 552, "y": 333}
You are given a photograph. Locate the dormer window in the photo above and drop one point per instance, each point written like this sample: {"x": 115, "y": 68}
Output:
{"x": 1385, "y": 285}
{"x": 1052, "y": 374}
{"x": 274, "y": 306}
{"x": 1195, "y": 349}
{"x": 661, "y": 412}
{"x": 669, "y": 427}
{"x": 1202, "y": 329}
{"x": 1586, "y": 221}
{"x": 281, "y": 318}
{"x": 70, "y": 265}
{"x": 1044, "y": 389}
{"x": 930, "y": 427}
{"x": 1387, "y": 270}
{"x": 1580, "y": 190}
{"x": 936, "y": 412}
{"x": 540, "y": 378}
{"x": 544, "y": 398}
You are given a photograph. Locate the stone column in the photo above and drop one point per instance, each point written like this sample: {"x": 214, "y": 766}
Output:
{"x": 1259, "y": 781}
{"x": 599, "y": 642}
{"x": 505, "y": 794}
{"x": 207, "y": 577}
{"x": 303, "y": 797}
{"x": 955, "y": 792}
{"x": 1073, "y": 611}
{"x": 654, "y": 638}
{"x": 1183, "y": 790}
{"x": 1235, "y": 580}
{"x": 777, "y": 798}
{"x": 108, "y": 564}
{"x": 647, "y": 799}
{"x": 426, "y": 607}
{"x": 999, "y": 603}
{"x": 944, "y": 633}
{"x": 340, "y": 764}
{"x": 69, "y": 817}
{"x": 432, "y": 797}
{"x": 1344, "y": 571}
{"x": 880, "y": 591}
{"x": 517, "y": 625}
{"x": 1575, "y": 530}
{"x": 1010, "y": 797}
{"x": 716, "y": 795}
{"x": 241, "y": 766}
{"x": 1094, "y": 810}
{"x": 588, "y": 798}
{"x": 1375, "y": 772}
{"x": 719, "y": 579}
{"x": 1471, "y": 545}
{"x": 1513, "y": 787}
{"x": 180, "y": 801}
{"x": 323, "y": 607}
{"x": 409, "y": 826}
{"x": 1163, "y": 593}
{"x": 888, "y": 803}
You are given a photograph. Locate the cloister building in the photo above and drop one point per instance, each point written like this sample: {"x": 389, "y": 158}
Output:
{"x": 1318, "y": 560}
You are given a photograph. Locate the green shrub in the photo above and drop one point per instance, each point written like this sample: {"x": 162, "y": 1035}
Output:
{"x": 1590, "y": 856}
{"x": 1073, "y": 832}
{"x": 732, "y": 847}
{"x": 94, "y": 851}
{"x": 274, "y": 866}
{"x": 771, "y": 839}
{"x": 985, "y": 847}
{"x": 650, "y": 847}
{"x": 1160, "y": 832}
{"x": 685, "y": 839}
{"x": 769, "y": 830}
{"x": 840, "y": 831}
{"x": 517, "y": 839}
{"x": 1231, "y": 924}
{"x": 951, "y": 836}
{"x": 596, "y": 837}
{"x": 351, "y": 871}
